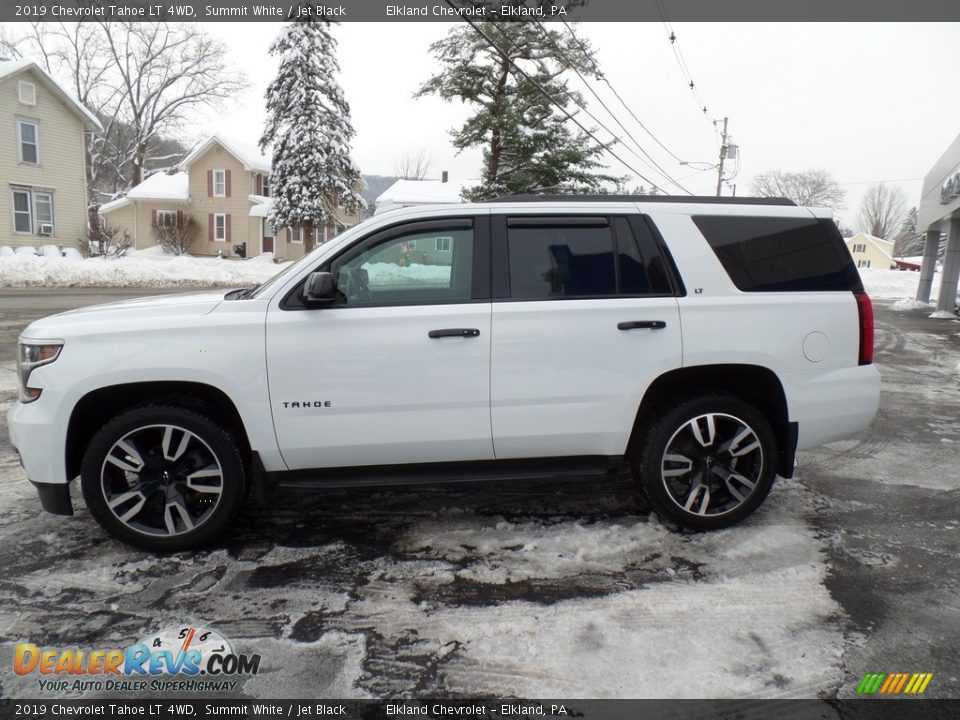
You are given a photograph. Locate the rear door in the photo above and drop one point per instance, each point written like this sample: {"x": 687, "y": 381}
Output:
{"x": 585, "y": 316}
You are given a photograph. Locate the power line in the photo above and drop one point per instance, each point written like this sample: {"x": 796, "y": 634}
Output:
{"x": 873, "y": 182}
{"x": 569, "y": 65}
{"x": 547, "y": 95}
{"x": 604, "y": 79}
{"x": 682, "y": 63}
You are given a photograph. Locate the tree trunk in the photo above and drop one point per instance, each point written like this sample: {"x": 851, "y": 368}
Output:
{"x": 496, "y": 148}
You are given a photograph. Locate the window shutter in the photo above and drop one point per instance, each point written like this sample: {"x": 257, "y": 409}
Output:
{"x": 210, "y": 227}
{"x": 227, "y": 221}
{"x": 259, "y": 190}
{"x": 226, "y": 184}
{"x": 179, "y": 218}
{"x": 209, "y": 183}
{"x": 153, "y": 218}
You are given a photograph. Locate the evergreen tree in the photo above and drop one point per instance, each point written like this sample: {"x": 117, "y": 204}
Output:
{"x": 908, "y": 242}
{"x": 528, "y": 143}
{"x": 308, "y": 126}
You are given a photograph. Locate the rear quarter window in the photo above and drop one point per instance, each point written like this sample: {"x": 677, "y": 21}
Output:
{"x": 769, "y": 254}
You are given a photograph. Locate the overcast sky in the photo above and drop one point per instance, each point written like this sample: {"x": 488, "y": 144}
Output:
{"x": 867, "y": 102}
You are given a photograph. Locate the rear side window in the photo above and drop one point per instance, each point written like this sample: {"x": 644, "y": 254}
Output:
{"x": 767, "y": 254}
{"x": 550, "y": 261}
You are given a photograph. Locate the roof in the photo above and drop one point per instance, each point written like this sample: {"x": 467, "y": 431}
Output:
{"x": 702, "y": 199}
{"x": 246, "y": 153}
{"x": 420, "y": 192}
{"x": 884, "y": 246}
{"x": 9, "y": 68}
{"x": 159, "y": 186}
{"x": 261, "y": 205}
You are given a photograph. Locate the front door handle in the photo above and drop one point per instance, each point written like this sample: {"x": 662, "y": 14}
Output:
{"x": 642, "y": 324}
{"x": 454, "y": 332}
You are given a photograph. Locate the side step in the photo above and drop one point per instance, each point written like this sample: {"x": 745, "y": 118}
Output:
{"x": 444, "y": 473}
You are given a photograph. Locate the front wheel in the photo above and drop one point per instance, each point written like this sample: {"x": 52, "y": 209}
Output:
{"x": 162, "y": 478}
{"x": 707, "y": 463}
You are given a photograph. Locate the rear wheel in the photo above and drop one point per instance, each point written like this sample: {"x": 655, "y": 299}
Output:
{"x": 708, "y": 462}
{"x": 163, "y": 478}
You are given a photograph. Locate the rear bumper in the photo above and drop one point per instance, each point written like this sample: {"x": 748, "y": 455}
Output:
{"x": 834, "y": 404}
{"x": 54, "y": 498}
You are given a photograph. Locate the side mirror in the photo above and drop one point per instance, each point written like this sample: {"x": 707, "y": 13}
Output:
{"x": 320, "y": 290}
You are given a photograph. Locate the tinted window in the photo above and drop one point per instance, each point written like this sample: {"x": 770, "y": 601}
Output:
{"x": 416, "y": 267}
{"x": 775, "y": 254}
{"x": 557, "y": 262}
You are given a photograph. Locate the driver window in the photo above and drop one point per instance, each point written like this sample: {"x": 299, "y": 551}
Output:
{"x": 410, "y": 268}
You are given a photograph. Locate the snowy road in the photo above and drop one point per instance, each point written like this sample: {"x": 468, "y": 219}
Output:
{"x": 540, "y": 590}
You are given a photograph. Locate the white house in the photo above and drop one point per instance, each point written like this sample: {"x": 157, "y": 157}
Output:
{"x": 408, "y": 193}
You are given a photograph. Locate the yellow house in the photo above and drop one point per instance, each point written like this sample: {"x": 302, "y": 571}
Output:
{"x": 224, "y": 184}
{"x": 871, "y": 252}
{"x": 42, "y": 158}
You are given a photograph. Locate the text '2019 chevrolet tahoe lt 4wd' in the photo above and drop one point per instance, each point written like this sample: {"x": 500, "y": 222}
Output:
{"x": 700, "y": 341}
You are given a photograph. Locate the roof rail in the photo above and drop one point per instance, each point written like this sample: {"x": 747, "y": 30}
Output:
{"x": 701, "y": 199}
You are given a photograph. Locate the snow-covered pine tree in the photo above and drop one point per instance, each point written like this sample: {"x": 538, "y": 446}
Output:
{"x": 308, "y": 127}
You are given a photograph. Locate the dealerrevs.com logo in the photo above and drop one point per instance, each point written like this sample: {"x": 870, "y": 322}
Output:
{"x": 175, "y": 659}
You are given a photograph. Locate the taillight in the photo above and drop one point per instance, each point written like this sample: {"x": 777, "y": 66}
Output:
{"x": 865, "y": 310}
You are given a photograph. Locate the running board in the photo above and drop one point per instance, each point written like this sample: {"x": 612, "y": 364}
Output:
{"x": 444, "y": 473}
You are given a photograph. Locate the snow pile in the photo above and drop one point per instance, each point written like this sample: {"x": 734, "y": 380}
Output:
{"x": 138, "y": 270}
{"x": 390, "y": 274}
{"x": 907, "y": 304}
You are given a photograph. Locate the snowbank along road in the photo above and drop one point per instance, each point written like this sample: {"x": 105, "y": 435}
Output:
{"x": 540, "y": 590}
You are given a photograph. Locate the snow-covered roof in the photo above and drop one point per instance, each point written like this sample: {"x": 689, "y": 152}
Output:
{"x": 14, "y": 67}
{"x": 247, "y": 153}
{"x": 884, "y": 246}
{"x": 418, "y": 192}
{"x": 261, "y": 205}
{"x": 159, "y": 186}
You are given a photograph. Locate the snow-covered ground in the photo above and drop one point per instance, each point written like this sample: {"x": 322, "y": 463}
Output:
{"x": 153, "y": 269}
{"x": 148, "y": 269}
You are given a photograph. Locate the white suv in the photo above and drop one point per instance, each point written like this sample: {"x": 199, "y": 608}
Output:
{"x": 701, "y": 341}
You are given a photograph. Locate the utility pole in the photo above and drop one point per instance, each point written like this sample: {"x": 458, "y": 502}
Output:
{"x": 723, "y": 156}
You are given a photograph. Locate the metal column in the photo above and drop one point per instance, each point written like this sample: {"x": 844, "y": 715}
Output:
{"x": 951, "y": 269}
{"x": 929, "y": 266}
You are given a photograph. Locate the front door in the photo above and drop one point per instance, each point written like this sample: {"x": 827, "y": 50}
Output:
{"x": 398, "y": 370}
{"x": 585, "y": 317}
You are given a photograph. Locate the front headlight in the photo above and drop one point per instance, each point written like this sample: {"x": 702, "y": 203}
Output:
{"x": 30, "y": 356}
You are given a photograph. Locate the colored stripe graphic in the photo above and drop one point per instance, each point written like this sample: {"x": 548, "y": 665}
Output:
{"x": 894, "y": 683}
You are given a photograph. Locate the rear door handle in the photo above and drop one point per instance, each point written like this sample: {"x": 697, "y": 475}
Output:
{"x": 454, "y": 332}
{"x": 642, "y": 324}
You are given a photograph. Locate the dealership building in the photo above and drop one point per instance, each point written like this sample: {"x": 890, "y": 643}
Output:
{"x": 940, "y": 213}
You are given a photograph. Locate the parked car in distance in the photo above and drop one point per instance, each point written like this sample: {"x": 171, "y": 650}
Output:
{"x": 698, "y": 341}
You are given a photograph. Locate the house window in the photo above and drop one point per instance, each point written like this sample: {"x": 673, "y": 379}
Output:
{"x": 27, "y": 92}
{"x": 28, "y": 136}
{"x": 219, "y": 183}
{"x": 32, "y": 212}
{"x": 220, "y": 227}
{"x": 265, "y": 189}
{"x": 858, "y": 248}
{"x": 441, "y": 244}
{"x": 166, "y": 218}
{"x": 43, "y": 208}
{"x": 296, "y": 236}
{"x": 22, "y": 215}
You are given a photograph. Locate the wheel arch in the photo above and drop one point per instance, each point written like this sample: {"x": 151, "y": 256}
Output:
{"x": 755, "y": 384}
{"x": 98, "y": 406}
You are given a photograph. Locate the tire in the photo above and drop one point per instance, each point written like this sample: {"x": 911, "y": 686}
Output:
{"x": 163, "y": 478}
{"x": 705, "y": 479}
